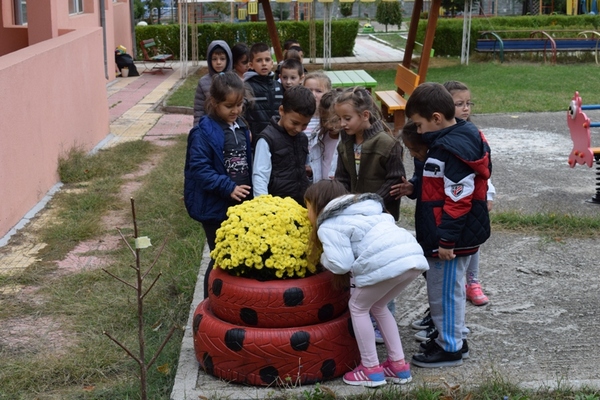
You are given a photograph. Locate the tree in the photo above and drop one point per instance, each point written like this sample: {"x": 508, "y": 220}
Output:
{"x": 219, "y": 8}
{"x": 282, "y": 10}
{"x": 346, "y": 9}
{"x": 151, "y": 5}
{"x": 389, "y": 13}
{"x": 138, "y": 9}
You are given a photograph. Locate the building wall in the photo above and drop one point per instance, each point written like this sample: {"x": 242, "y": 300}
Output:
{"x": 53, "y": 97}
{"x": 57, "y": 101}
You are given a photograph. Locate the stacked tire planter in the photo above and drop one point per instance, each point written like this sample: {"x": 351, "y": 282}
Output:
{"x": 293, "y": 331}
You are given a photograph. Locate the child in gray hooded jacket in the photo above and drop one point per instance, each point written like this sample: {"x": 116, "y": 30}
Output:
{"x": 219, "y": 59}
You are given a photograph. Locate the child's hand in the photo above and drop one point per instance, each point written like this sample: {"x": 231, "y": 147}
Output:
{"x": 446, "y": 254}
{"x": 402, "y": 189}
{"x": 309, "y": 172}
{"x": 490, "y": 204}
{"x": 240, "y": 192}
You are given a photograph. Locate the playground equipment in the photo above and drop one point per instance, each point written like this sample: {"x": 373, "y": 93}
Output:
{"x": 579, "y": 126}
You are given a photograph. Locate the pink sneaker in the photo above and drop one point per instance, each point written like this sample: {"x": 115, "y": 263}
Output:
{"x": 363, "y": 376}
{"x": 475, "y": 295}
{"x": 397, "y": 371}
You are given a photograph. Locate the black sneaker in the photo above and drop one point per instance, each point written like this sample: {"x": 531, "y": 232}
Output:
{"x": 423, "y": 323}
{"x": 435, "y": 357}
{"x": 426, "y": 334}
{"x": 465, "y": 348}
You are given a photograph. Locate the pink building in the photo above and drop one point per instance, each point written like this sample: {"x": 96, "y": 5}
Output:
{"x": 56, "y": 57}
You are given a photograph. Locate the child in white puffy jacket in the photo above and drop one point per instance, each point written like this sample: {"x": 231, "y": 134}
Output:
{"x": 360, "y": 239}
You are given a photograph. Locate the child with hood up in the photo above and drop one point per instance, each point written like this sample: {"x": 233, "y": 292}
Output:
{"x": 219, "y": 59}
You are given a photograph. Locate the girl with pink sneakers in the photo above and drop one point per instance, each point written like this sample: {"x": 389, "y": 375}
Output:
{"x": 359, "y": 239}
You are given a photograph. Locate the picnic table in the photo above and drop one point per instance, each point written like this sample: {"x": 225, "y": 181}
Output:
{"x": 351, "y": 78}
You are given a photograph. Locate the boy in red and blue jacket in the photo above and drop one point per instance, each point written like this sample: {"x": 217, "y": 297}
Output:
{"x": 452, "y": 219}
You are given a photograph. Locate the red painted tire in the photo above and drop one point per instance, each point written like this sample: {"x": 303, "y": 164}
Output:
{"x": 275, "y": 304}
{"x": 262, "y": 357}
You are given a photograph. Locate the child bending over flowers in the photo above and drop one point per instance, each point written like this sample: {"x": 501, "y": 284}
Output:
{"x": 359, "y": 238}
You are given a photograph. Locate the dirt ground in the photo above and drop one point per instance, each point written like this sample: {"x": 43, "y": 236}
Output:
{"x": 541, "y": 325}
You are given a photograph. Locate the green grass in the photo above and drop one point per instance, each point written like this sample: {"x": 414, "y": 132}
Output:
{"x": 183, "y": 96}
{"x": 514, "y": 87}
{"x": 86, "y": 303}
{"x": 394, "y": 39}
{"x": 510, "y": 87}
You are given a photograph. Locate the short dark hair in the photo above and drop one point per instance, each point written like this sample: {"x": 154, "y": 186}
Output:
{"x": 218, "y": 50}
{"x": 411, "y": 135}
{"x": 289, "y": 43}
{"x": 455, "y": 86}
{"x": 292, "y": 63}
{"x": 300, "y": 100}
{"x": 239, "y": 51}
{"x": 258, "y": 48}
{"x": 291, "y": 53}
{"x": 429, "y": 98}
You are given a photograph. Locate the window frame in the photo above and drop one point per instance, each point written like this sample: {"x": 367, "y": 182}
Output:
{"x": 20, "y": 12}
{"x": 76, "y": 7}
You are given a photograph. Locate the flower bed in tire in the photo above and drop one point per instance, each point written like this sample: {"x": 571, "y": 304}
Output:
{"x": 272, "y": 316}
{"x": 278, "y": 304}
{"x": 264, "y": 357}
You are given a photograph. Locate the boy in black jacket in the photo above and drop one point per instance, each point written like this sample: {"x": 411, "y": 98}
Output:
{"x": 266, "y": 92}
{"x": 452, "y": 221}
{"x": 282, "y": 148}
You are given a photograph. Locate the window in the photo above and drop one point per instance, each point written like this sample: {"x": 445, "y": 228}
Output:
{"x": 20, "y": 7}
{"x": 75, "y": 6}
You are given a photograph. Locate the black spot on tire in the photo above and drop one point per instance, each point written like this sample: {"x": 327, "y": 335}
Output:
{"x": 300, "y": 340}
{"x": 328, "y": 369}
{"x": 196, "y": 324}
{"x": 249, "y": 316}
{"x": 326, "y": 312}
{"x": 217, "y": 286}
{"x": 207, "y": 363}
{"x": 269, "y": 374}
{"x": 293, "y": 297}
{"x": 234, "y": 339}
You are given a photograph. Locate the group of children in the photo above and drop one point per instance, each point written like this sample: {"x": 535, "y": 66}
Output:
{"x": 331, "y": 151}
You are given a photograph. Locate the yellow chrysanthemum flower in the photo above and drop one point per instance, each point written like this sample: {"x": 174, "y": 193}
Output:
{"x": 266, "y": 238}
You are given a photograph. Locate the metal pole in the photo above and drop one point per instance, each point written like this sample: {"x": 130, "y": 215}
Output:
{"x": 103, "y": 25}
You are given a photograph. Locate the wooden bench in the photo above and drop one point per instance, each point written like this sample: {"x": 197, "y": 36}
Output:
{"x": 393, "y": 103}
{"x": 152, "y": 56}
{"x": 538, "y": 41}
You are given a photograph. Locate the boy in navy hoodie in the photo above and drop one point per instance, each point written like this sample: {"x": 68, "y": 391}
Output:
{"x": 267, "y": 93}
{"x": 453, "y": 220}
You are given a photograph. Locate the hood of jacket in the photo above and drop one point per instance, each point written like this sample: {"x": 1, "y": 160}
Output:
{"x": 466, "y": 142}
{"x": 350, "y": 204}
{"x": 211, "y": 48}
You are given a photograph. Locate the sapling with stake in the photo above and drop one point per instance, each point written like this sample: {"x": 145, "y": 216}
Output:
{"x": 140, "y": 243}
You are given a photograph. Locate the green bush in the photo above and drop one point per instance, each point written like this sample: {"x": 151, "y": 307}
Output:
{"x": 167, "y": 36}
{"x": 448, "y": 35}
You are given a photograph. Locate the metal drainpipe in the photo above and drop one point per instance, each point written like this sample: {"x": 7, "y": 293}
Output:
{"x": 103, "y": 24}
{"x": 133, "y": 45}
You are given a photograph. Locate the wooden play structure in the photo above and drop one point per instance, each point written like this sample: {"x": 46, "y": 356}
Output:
{"x": 579, "y": 126}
